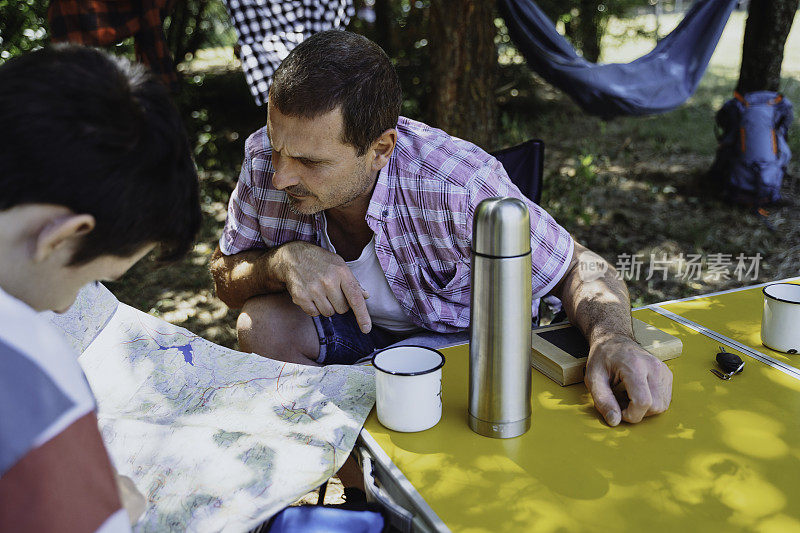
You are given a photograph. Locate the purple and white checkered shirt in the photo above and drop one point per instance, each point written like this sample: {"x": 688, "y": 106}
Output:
{"x": 421, "y": 213}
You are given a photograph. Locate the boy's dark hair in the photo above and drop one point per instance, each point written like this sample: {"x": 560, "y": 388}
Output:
{"x": 338, "y": 68}
{"x": 82, "y": 129}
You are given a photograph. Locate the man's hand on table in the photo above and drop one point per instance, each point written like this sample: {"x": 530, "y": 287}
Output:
{"x": 620, "y": 360}
{"x": 321, "y": 283}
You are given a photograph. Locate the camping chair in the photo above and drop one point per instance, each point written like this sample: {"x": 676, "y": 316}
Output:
{"x": 524, "y": 164}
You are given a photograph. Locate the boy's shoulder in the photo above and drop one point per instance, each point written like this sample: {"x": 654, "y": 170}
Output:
{"x": 39, "y": 348}
{"x": 42, "y": 388}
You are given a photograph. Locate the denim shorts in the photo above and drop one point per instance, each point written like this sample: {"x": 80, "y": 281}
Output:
{"x": 341, "y": 341}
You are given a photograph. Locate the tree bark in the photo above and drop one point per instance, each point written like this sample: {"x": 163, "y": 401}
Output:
{"x": 768, "y": 25}
{"x": 589, "y": 28}
{"x": 464, "y": 69}
{"x": 385, "y": 28}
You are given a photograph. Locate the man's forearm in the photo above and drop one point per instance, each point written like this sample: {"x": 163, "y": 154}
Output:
{"x": 241, "y": 276}
{"x": 598, "y": 304}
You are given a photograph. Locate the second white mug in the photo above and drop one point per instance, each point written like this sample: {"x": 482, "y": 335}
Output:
{"x": 780, "y": 323}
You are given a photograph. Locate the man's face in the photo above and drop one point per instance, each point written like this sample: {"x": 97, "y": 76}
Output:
{"x": 313, "y": 166}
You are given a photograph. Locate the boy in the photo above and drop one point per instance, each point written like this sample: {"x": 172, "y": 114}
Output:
{"x": 95, "y": 171}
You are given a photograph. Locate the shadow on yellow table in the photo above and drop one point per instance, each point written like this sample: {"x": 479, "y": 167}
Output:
{"x": 725, "y": 457}
{"x": 736, "y": 315}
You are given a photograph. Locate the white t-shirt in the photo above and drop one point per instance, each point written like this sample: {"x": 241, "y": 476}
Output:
{"x": 384, "y": 309}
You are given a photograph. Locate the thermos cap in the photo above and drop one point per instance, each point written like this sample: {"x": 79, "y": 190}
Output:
{"x": 501, "y": 227}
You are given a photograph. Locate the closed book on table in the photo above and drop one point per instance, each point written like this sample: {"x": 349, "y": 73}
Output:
{"x": 560, "y": 350}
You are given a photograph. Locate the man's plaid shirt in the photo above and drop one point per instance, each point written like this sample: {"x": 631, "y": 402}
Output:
{"x": 421, "y": 213}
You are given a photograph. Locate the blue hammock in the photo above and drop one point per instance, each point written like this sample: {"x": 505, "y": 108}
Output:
{"x": 657, "y": 82}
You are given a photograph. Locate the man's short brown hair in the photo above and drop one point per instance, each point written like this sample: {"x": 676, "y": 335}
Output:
{"x": 340, "y": 69}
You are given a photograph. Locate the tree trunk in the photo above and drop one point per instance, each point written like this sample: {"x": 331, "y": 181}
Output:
{"x": 768, "y": 25}
{"x": 385, "y": 27}
{"x": 464, "y": 69}
{"x": 589, "y": 30}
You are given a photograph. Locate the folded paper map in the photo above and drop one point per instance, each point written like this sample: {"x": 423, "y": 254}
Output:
{"x": 215, "y": 439}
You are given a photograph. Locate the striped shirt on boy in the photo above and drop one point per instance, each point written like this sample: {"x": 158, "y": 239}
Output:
{"x": 55, "y": 474}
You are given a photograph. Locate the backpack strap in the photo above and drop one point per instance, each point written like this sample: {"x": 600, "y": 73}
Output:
{"x": 742, "y": 140}
{"x": 774, "y": 142}
{"x": 777, "y": 100}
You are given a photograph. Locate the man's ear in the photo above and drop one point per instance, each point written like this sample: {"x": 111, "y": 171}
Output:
{"x": 60, "y": 231}
{"x": 382, "y": 149}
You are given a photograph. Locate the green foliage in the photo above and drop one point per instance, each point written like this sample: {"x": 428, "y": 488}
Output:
{"x": 402, "y": 29}
{"x": 569, "y": 10}
{"x": 584, "y": 21}
{"x": 23, "y": 26}
{"x": 578, "y": 174}
{"x": 219, "y": 114}
{"x": 196, "y": 24}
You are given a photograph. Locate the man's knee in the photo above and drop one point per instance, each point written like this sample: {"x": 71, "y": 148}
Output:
{"x": 257, "y": 320}
{"x": 272, "y": 325}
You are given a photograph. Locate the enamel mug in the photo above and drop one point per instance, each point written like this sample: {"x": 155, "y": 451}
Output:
{"x": 780, "y": 323}
{"x": 408, "y": 386}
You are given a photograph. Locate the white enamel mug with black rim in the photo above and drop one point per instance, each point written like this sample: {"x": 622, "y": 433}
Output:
{"x": 408, "y": 387}
{"x": 780, "y": 323}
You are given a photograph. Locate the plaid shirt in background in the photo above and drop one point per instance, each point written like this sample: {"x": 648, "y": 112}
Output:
{"x": 421, "y": 213}
{"x": 108, "y": 22}
{"x": 269, "y": 29}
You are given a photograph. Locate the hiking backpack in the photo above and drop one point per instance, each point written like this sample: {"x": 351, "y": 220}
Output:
{"x": 753, "y": 153}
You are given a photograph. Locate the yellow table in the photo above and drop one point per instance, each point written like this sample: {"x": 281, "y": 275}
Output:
{"x": 725, "y": 457}
{"x": 735, "y": 316}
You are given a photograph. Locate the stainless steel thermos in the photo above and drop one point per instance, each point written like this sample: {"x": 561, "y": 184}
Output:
{"x": 500, "y": 319}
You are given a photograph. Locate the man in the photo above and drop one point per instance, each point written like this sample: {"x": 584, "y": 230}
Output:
{"x": 95, "y": 171}
{"x": 350, "y": 228}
